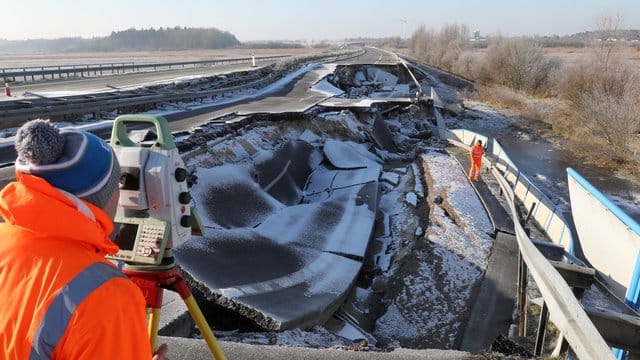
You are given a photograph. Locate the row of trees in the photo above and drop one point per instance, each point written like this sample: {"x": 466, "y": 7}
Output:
{"x": 601, "y": 94}
{"x": 177, "y": 38}
{"x": 164, "y": 39}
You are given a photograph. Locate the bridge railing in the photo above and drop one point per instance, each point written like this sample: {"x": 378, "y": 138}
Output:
{"x": 540, "y": 208}
{"x": 565, "y": 311}
{"x": 547, "y": 215}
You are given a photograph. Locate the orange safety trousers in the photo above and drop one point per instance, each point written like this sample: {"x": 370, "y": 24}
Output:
{"x": 474, "y": 171}
{"x": 477, "y": 151}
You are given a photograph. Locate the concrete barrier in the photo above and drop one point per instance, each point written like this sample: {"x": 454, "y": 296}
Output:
{"x": 609, "y": 238}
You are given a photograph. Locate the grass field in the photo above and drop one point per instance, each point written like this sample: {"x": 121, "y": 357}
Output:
{"x": 571, "y": 56}
{"x": 574, "y": 55}
{"x": 139, "y": 57}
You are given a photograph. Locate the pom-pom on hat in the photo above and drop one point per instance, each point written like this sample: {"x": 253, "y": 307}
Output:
{"x": 75, "y": 161}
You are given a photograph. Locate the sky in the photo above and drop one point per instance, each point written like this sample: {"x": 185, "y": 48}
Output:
{"x": 306, "y": 20}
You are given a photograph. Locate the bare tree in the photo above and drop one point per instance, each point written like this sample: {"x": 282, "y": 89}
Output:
{"x": 608, "y": 26}
{"x": 421, "y": 44}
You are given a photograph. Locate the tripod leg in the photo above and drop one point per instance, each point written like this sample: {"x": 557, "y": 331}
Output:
{"x": 204, "y": 328}
{"x": 154, "y": 326}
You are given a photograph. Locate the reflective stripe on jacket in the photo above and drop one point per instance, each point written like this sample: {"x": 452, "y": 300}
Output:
{"x": 477, "y": 151}
{"x": 61, "y": 298}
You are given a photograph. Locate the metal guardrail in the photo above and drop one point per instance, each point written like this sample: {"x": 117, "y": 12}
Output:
{"x": 565, "y": 311}
{"x": 87, "y": 105}
{"x": 115, "y": 68}
{"x": 14, "y": 113}
{"x": 404, "y": 64}
{"x": 539, "y": 207}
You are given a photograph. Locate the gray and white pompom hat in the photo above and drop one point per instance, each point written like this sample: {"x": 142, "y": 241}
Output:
{"x": 75, "y": 161}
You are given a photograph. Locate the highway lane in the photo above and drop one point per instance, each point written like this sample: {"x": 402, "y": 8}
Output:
{"x": 295, "y": 96}
{"x": 131, "y": 80}
{"x": 86, "y": 85}
{"x": 372, "y": 56}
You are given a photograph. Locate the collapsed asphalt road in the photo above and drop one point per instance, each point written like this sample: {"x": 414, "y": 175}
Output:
{"x": 323, "y": 218}
{"x": 321, "y": 221}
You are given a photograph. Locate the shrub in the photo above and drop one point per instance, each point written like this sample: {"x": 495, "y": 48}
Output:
{"x": 449, "y": 43}
{"x": 440, "y": 49}
{"x": 605, "y": 98}
{"x": 519, "y": 64}
{"x": 615, "y": 119}
{"x": 588, "y": 77}
{"x": 421, "y": 44}
{"x": 467, "y": 65}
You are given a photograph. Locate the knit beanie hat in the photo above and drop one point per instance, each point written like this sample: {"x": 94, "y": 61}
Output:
{"x": 75, "y": 161}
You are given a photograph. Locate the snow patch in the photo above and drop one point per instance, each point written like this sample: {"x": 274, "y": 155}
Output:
{"x": 417, "y": 178}
{"x": 325, "y": 87}
{"x": 391, "y": 178}
{"x": 411, "y": 198}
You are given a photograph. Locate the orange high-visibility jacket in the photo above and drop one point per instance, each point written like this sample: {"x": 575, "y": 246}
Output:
{"x": 477, "y": 151}
{"x": 60, "y": 298}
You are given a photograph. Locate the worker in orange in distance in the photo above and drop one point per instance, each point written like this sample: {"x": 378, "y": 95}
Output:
{"x": 477, "y": 152}
{"x": 61, "y": 299}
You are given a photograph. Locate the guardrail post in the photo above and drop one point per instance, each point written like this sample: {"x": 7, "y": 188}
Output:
{"x": 522, "y": 296}
{"x": 531, "y": 208}
{"x": 542, "y": 327}
{"x": 59, "y": 74}
{"x": 24, "y": 71}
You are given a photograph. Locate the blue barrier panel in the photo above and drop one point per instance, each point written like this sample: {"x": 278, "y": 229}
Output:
{"x": 632, "y": 297}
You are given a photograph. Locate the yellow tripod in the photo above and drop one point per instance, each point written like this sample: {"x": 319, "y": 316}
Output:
{"x": 152, "y": 282}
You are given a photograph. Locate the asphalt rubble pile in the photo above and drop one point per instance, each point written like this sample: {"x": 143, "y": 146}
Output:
{"x": 417, "y": 279}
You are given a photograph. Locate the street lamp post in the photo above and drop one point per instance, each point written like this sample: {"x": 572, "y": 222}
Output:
{"x": 403, "y": 22}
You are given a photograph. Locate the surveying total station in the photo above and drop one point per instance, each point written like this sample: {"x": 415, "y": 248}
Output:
{"x": 154, "y": 215}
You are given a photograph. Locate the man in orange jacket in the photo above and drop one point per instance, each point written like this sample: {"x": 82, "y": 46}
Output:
{"x": 477, "y": 152}
{"x": 60, "y": 298}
